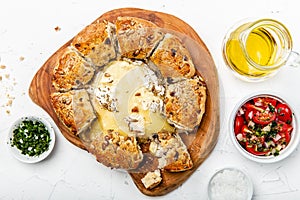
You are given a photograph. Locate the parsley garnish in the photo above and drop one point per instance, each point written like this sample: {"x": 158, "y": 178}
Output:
{"x": 272, "y": 108}
{"x": 31, "y": 137}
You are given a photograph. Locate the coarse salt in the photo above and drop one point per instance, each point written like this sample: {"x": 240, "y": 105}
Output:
{"x": 230, "y": 184}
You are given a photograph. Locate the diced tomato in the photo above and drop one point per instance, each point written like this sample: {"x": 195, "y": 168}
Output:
{"x": 285, "y": 130}
{"x": 287, "y": 137}
{"x": 249, "y": 115}
{"x": 250, "y": 109}
{"x": 253, "y": 150}
{"x": 238, "y": 124}
{"x": 249, "y": 106}
{"x": 284, "y": 127}
{"x": 241, "y": 137}
{"x": 264, "y": 118}
{"x": 284, "y": 113}
{"x": 262, "y": 139}
{"x": 264, "y": 102}
{"x": 278, "y": 137}
{"x": 258, "y": 101}
{"x": 246, "y": 130}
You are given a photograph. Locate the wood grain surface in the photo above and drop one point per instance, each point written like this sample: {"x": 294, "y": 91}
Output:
{"x": 200, "y": 144}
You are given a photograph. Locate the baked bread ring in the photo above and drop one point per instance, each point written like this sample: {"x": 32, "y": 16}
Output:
{"x": 127, "y": 89}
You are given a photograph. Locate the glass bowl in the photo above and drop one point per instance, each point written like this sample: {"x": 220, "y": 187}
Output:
{"x": 230, "y": 183}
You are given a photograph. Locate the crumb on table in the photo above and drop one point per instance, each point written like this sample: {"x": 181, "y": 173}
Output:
{"x": 57, "y": 28}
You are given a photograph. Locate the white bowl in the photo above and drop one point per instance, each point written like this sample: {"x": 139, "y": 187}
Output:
{"x": 295, "y": 137}
{"x": 26, "y": 158}
{"x": 230, "y": 183}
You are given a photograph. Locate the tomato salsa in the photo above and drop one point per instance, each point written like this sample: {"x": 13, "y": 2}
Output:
{"x": 263, "y": 126}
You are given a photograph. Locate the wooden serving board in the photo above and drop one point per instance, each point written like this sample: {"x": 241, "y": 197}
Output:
{"x": 199, "y": 145}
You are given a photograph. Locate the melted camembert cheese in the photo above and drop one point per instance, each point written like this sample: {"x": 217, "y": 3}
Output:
{"x": 128, "y": 99}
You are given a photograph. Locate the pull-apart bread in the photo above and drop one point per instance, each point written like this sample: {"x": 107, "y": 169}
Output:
{"x": 172, "y": 59}
{"x": 74, "y": 109}
{"x": 127, "y": 89}
{"x": 96, "y": 43}
{"x": 111, "y": 148}
{"x": 72, "y": 71}
{"x": 171, "y": 152}
{"x": 136, "y": 37}
{"x": 184, "y": 103}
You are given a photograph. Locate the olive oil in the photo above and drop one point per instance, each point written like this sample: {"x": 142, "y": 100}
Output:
{"x": 259, "y": 46}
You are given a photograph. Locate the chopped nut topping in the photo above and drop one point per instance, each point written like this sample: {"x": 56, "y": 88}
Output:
{"x": 135, "y": 109}
{"x": 107, "y": 75}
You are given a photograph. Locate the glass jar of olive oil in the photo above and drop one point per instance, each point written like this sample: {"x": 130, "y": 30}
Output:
{"x": 256, "y": 50}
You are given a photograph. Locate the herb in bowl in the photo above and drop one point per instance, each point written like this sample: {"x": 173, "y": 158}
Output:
{"x": 31, "y": 137}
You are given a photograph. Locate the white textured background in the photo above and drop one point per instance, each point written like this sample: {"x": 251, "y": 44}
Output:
{"x": 28, "y": 39}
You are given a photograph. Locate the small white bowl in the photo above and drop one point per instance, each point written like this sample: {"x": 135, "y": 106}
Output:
{"x": 295, "y": 137}
{"x": 230, "y": 183}
{"x": 26, "y": 158}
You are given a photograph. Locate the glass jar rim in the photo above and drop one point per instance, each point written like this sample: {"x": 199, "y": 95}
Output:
{"x": 283, "y": 32}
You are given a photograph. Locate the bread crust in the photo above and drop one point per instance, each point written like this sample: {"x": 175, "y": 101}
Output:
{"x": 71, "y": 72}
{"x": 96, "y": 43}
{"x": 184, "y": 103}
{"x": 137, "y": 37}
{"x": 112, "y": 148}
{"x": 172, "y": 59}
{"x": 172, "y": 153}
{"x": 74, "y": 109}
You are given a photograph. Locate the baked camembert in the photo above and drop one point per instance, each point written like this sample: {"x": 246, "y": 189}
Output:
{"x": 128, "y": 90}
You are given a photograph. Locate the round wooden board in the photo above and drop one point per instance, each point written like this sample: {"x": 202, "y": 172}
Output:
{"x": 199, "y": 145}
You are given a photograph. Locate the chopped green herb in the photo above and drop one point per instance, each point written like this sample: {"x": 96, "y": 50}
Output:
{"x": 272, "y": 108}
{"x": 279, "y": 110}
{"x": 31, "y": 137}
{"x": 274, "y": 124}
